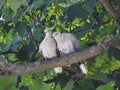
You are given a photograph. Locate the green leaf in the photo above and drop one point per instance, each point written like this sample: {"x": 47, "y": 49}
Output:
{"x": 40, "y": 85}
{"x": 15, "y": 47}
{"x": 106, "y": 30}
{"x": 108, "y": 86}
{"x": 6, "y": 48}
{"x": 83, "y": 29}
{"x": 8, "y": 15}
{"x": 48, "y": 2}
{"x": 15, "y": 4}
{"x": 16, "y": 42}
{"x": 90, "y": 84}
{"x": 8, "y": 83}
{"x": 98, "y": 75}
{"x": 77, "y": 86}
{"x": 114, "y": 52}
{"x": 76, "y": 11}
{"x": 1, "y": 3}
{"x": 17, "y": 39}
{"x": 117, "y": 80}
{"x": 24, "y": 2}
{"x": 28, "y": 50}
{"x": 38, "y": 33}
{"x": 89, "y": 5}
{"x": 16, "y": 17}
{"x": 27, "y": 79}
{"x": 70, "y": 85}
{"x": 58, "y": 87}
{"x": 21, "y": 29}
{"x": 63, "y": 79}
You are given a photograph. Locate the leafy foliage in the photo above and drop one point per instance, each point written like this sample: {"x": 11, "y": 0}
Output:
{"x": 21, "y": 30}
{"x": 8, "y": 83}
{"x": 108, "y": 86}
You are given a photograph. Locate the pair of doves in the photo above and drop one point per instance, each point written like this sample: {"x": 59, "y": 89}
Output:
{"x": 64, "y": 42}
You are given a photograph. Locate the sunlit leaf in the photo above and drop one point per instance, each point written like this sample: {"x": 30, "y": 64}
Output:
{"x": 8, "y": 83}
{"x": 108, "y": 86}
{"x": 58, "y": 87}
{"x": 15, "y": 4}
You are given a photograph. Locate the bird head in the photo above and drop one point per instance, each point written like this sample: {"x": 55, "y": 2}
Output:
{"x": 47, "y": 31}
{"x": 56, "y": 34}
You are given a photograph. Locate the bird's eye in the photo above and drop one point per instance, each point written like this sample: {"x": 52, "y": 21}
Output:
{"x": 48, "y": 30}
{"x": 56, "y": 33}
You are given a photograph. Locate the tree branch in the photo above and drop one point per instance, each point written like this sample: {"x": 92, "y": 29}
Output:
{"x": 8, "y": 69}
{"x": 111, "y": 10}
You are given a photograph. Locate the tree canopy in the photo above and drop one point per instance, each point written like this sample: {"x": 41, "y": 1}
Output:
{"x": 96, "y": 24}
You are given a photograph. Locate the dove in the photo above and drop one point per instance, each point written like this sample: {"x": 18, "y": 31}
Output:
{"x": 48, "y": 48}
{"x": 67, "y": 43}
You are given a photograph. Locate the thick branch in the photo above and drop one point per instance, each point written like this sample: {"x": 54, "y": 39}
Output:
{"x": 111, "y": 10}
{"x": 8, "y": 68}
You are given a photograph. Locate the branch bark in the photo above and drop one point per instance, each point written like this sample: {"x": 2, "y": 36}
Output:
{"x": 111, "y": 10}
{"x": 8, "y": 69}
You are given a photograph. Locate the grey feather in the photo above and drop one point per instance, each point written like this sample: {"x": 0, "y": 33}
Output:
{"x": 67, "y": 43}
{"x": 48, "y": 47}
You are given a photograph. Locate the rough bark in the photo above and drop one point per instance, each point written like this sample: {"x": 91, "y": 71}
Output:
{"x": 111, "y": 10}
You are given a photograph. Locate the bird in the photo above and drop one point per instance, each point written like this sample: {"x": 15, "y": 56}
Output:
{"x": 67, "y": 43}
{"x": 48, "y": 48}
